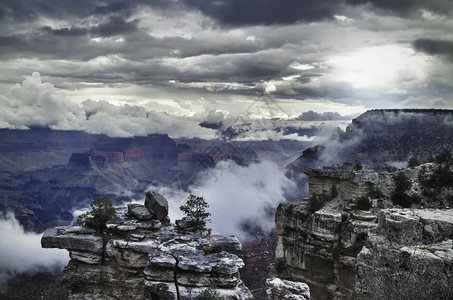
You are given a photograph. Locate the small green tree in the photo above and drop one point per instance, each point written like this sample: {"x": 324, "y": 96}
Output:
{"x": 195, "y": 208}
{"x": 102, "y": 210}
{"x": 413, "y": 162}
{"x": 402, "y": 182}
{"x": 402, "y": 186}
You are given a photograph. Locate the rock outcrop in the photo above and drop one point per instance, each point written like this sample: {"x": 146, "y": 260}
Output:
{"x": 278, "y": 289}
{"x": 321, "y": 246}
{"x": 137, "y": 257}
{"x": 410, "y": 256}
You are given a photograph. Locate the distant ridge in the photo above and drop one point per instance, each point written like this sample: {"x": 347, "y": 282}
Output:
{"x": 380, "y": 136}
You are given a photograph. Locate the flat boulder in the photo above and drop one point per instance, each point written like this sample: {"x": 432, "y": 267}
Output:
{"x": 157, "y": 205}
{"x": 140, "y": 212}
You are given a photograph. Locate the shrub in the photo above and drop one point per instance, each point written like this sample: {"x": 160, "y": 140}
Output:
{"x": 402, "y": 182}
{"x": 333, "y": 191}
{"x": 363, "y": 203}
{"x": 372, "y": 191}
{"x": 102, "y": 210}
{"x": 209, "y": 294}
{"x": 444, "y": 157}
{"x": 280, "y": 265}
{"x": 402, "y": 198}
{"x": 195, "y": 208}
{"x": 441, "y": 177}
{"x": 316, "y": 202}
{"x": 399, "y": 195}
{"x": 212, "y": 249}
{"x": 358, "y": 166}
{"x": 413, "y": 162}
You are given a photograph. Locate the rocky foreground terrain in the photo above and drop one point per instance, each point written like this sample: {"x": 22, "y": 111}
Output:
{"x": 363, "y": 234}
{"x": 141, "y": 255}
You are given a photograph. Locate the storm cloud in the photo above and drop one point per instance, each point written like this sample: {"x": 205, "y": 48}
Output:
{"x": 435, "y": 47}
{"x": 353, "y": 52}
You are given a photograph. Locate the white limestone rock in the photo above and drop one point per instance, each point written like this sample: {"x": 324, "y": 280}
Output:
{"x": 285, "y": 289}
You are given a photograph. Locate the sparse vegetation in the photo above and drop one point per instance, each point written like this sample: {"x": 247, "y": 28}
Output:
{"x": 333, "y": 191}
{"x": 413, "y": 162}
{"x": 372, "y": 191}
{"x": 316, "y": 202}
{"x": 390, "y": 169}
{"x": 280, "y": 265}
{"x": 277, "y": 294}
{"x": 195, "y": 208}
{"x": 444, "y": 157}
{"x": 400, "y": 194}
{"x": 358, "y": 166}
{"x": 211, "y": 249}
{"x": 363, "y": 203}
{"x": 102, "y": 210}
{"x": 434, "y": 181}
{"x": 209, "y": 293}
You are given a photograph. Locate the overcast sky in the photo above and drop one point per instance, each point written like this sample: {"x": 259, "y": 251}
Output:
{"x": 194, "y": 57}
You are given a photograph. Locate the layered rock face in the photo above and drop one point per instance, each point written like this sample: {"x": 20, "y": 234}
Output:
{"x": 321, "y": 248}
{"x": 410, "y": 256}
{"x": 139, "y": 256}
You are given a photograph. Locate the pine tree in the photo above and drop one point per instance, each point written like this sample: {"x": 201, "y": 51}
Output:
{"x": 195, "y": 208}
{"x": 102, "y": 210}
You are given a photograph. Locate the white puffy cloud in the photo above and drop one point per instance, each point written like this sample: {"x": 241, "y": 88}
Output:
{"x": 21, "y": 252}
{"x": 236, "y": 195}
{"x": 34, "y": 103}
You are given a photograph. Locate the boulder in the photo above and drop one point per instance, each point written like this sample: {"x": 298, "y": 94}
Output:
{"x": 285, "y": 289}
{"x": 139, "y": 211}
{"x": 186, "y": 223}
{"x": 157, "y": 205}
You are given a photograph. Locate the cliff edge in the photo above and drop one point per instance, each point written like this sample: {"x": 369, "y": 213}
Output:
{"x": 139, "y": 256}
{"x": 368, "y": 235}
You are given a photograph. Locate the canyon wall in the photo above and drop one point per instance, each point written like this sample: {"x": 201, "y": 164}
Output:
{"x": 333, "y": 249}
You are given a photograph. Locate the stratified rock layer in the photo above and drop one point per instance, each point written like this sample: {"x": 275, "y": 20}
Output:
{"x": 410, "y": 256}
{"x": 143, "y": 259}
{"x": 321, "y": 248}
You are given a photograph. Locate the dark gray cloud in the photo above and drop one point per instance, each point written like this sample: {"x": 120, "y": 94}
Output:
{"x": 28, "y": 10}
{"x": 435, "y": 47}
{"x": 193, "y": 46}
{"x": 114, "y": 26}
{"x": 404, "y": 7}
{"x": 326, "y": 116}
{"x": 265, "y": 12}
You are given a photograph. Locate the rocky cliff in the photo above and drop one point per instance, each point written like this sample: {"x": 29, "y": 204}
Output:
{"x": 409, "y": 256}
{"x": 322, "y": 244}
{"x": 379, "y": 136}
{"x": 141, "y": 256}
